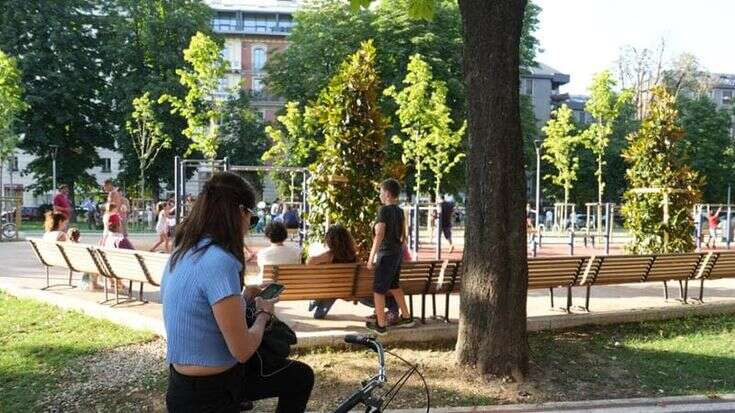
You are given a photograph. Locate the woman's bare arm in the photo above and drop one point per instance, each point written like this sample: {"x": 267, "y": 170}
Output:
{"x": 230, "y": 316}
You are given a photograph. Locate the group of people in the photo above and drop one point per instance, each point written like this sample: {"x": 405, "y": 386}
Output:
{"x": 216, "y": 327}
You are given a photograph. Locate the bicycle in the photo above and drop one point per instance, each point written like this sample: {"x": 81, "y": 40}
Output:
{"x": 9, "y": 230}
{"x": 365, "y": 395}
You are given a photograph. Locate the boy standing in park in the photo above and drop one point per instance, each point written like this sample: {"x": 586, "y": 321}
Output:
{"x": 386, "y": 256}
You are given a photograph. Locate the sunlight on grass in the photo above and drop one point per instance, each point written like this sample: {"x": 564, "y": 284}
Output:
{"x": 39, "y": 340}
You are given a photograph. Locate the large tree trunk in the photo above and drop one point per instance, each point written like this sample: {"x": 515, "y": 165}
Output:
{"x": 492, "y": 325}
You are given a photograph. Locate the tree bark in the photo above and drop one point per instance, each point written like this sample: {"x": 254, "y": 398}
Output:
{"x": 492, "y": 326}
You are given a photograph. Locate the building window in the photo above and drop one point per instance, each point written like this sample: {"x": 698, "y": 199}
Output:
{"x": 106, "y": 165}
{"x": 257, "y": 84}
{"x": 727, "y": 97}
{"x": 582, "y": 117}
{"x": 259, "y": 58}
{"x": 527, "y": 87}
{"x": 13, "y": 164}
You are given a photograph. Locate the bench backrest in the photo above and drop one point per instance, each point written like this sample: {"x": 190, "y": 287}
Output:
{"x": 82, "y": 258}
{"x": 550, "y": 272}
{"x": 717, "y": 265}
{"x": 123, "y": 264}
{"x": 314, "y": 281}
{"x": 446, "y": 277}
{"x": 674, "y": 267}
{"x": 48, "y": 253}
{"x": 154, "y": 263}
{"x": 616, "y": 269}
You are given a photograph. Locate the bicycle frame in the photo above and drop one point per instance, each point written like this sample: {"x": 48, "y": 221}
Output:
{"x": 365, "y": 394}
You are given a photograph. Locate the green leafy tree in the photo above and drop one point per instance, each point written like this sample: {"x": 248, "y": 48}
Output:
{"x": 605, "y": 106}
{"x": 492, "y": 334}
{"x": 708, "y": 142}
{"x": 146, "y": 134}
{"x": 416, "y": 115}
{"x": 445, "y": 143}
{"x": 242, "y": 134}
{"x": 327, "y": 31}
{"x": 199, "y": 107}
{"x": 663, "y": 187}
{"x": 65, "y": 74}
{"x": 346, "y": 175}
{"x": 146, "y": 50}
{"x": 559, "y": 149}
{"x": 296, "y": 140}
{"x": 11, "y": 105}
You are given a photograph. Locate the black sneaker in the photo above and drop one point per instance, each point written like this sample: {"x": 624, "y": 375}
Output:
{"x": 375, "y": 328}
{"x": 404, "y": 322}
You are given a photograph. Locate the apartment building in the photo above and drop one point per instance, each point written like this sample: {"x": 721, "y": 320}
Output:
{"x": 723, "y": 94}
{"x": 253, "y": 30}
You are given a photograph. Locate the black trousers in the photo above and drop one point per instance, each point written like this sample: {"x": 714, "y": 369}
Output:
{"x": 225, "y": 391}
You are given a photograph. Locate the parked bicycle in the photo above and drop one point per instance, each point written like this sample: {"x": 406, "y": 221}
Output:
{"x": 370, "y": 394}
{"x": 9, "y": 230}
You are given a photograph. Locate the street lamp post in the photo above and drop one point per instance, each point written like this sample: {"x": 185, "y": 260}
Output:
{"x": 537, "y": 143}
{"x": 54, "y": 151}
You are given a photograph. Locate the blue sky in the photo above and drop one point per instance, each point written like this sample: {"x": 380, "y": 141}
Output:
{"x": 582, "y": 37}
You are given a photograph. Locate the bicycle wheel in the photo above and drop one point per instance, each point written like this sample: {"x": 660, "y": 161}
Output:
{"x": 9, "y": 230}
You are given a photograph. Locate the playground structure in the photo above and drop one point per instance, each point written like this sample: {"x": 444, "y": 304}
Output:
{"x": 700, "y": 214}
{"x": 190, "y": 175}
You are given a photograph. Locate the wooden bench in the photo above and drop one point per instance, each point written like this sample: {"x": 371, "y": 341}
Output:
{"x": 555, "y": 272}
{"x": 83, "y": 258}
{"x": 350, "y": 282}
{"x": 132, "y": 266}
{"x": 50, "y": 254}
{"x": 625, "y": 269}
{"x": 714, "y": 266}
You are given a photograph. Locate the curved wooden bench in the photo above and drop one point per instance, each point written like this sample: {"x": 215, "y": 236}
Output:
{"x": 50, "y": 254}
{"x": 125, "y": 265}
{"x": 714, "y": 266}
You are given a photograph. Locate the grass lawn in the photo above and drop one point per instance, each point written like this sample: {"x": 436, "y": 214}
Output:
{"x": 46, "y": 351}
{"x": 679, "y": 357}
{"x": 40, "y": 341}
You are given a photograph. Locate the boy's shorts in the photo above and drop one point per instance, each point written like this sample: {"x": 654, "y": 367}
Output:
{"x": 387, "y": 273}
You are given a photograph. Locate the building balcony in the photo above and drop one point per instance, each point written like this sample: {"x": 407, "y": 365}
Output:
{"x": 257, "y": 30}
{"x": 262, "y": 96}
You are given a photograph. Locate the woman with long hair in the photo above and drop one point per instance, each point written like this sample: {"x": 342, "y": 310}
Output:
{"x": 209, "y": 345}
{"x": 341, "y": 250}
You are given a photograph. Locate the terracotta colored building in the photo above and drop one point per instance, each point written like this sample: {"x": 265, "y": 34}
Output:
{"x": 254, "y": 30}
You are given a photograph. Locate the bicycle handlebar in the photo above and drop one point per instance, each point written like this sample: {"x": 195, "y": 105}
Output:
{"x": 374, "y": 344}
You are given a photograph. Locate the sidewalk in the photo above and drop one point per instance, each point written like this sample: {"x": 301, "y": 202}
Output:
{"x": 720, "y": 403}
{"x": 22, "y": 275}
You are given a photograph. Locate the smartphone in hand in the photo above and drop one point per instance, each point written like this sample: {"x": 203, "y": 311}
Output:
{"x": 272, "y": 291}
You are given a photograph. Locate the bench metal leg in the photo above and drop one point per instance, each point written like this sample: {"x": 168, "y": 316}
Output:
{"x": 666, "y": 291}
{"x": 70, "y": 275}
{"x": 410, "y": 304}
{"x": 140, "y": 293}
{"x": 433, "y": 304}
{"x": 682, "y": 292}
{"x": 569, "y": 299}
{"x": 551, "y": 296}
{"x": 701, "y": 291}
{"x": 48, "y": 278}
{"x": 587, "y": 298}
{"x": 446, "y": 309}
{"x": 423, "y": 308}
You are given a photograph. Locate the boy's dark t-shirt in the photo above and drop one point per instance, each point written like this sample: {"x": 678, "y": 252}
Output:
{"x": 447, "y": 210}
{"x": 392, "y": 217}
